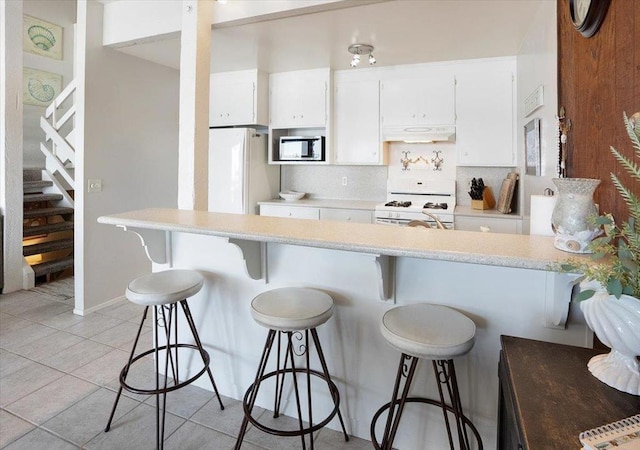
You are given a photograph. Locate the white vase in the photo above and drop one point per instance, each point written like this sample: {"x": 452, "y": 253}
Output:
{"x": 616, "y": 322}
{"x": 572, "y": 212}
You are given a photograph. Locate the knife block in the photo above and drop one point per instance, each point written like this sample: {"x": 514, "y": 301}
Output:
{"x": 487, "y": 202}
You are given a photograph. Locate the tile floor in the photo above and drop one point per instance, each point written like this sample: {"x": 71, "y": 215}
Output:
{"x": 59, "y": 376}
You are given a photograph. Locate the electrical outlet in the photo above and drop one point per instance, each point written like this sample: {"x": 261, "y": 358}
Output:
{"x": 344, "y": 181}
{"x": 94, "y": 185}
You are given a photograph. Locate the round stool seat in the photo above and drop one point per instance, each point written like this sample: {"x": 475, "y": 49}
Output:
{"x": 163, "y": 288}
{"x": 428, "y": 331}
{"x": 292, "y": 308}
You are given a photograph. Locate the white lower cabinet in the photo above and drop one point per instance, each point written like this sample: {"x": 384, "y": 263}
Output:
{"x": 490, "y": 224}
{"x": 346, "y": 215}
{"x": 295, "y": 212}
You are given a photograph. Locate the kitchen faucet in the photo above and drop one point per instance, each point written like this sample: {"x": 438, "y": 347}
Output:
{"x": 422, "y": 223}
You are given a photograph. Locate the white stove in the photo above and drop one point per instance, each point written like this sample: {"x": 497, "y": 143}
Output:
{"x": 409, "y": 199}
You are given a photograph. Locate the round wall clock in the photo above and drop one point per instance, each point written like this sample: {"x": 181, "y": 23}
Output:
{"x": 587, "y": 15}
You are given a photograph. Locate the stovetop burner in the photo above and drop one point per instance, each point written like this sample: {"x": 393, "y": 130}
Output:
{"x": 431, "y": 205}
{"x": 399, "y": 204}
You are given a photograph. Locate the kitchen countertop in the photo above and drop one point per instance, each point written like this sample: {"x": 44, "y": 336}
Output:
{"x": 325, "y": 203}
{"x": 492, "y": 213}
{"x": 496, "y": 249}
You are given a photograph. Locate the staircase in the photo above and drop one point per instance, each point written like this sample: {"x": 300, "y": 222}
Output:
{"x": 47, "y": 229}
{"x": 47, "y": 238}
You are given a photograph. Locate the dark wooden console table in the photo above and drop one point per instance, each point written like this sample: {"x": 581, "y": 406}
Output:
{"x": 548, "y": 396}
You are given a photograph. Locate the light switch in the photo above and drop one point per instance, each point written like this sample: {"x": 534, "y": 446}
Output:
{"x": 94, "y": 185}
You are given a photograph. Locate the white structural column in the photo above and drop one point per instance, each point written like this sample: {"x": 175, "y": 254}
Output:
{"x": 11, "y": 142}
{"x": 195, "y": 48}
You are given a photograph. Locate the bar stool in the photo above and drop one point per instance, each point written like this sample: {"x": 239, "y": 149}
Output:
{"x": 431, "y": 332}
{"x": 294, "y": 313}
{"x": 163, "y": 291}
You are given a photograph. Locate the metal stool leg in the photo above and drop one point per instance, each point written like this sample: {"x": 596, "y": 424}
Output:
{"x": 196, "y": 337}
{"x": 295, "y": 387}
{"x": 126, "y": 368}
{"x": 325, "y": 370}
{"x": 444, "y": 371}
{"x": 254, "y": 392}
{"x": 393, "y": 419}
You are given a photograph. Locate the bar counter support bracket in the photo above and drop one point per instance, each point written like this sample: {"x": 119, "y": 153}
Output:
{"x": 253, "y": 253}
{"x": 557, "y": 299}
{"x": 385, "y": 266}
{"x": 155, "y": 242}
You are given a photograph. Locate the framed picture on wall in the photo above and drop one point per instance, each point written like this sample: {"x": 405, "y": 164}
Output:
{"x": 39, "y": 88}
{"x": 532, "y": 147}
{"x": 41, "y": 38}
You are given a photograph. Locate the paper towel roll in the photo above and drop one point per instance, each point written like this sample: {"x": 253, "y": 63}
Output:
{"x": 541, "y": 210}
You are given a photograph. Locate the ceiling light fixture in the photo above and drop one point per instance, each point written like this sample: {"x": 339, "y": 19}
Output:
{"x": 361, "y": 49}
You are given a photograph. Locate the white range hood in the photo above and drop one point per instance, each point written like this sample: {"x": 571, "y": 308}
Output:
{"x": 419, "y": 134}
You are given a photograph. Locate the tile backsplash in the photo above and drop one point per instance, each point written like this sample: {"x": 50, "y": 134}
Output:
{"x": 324, "y": 181}
{"x": 370, "y": 182}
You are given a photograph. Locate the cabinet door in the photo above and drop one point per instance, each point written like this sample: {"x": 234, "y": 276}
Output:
{"x": 296, "y": 212}
{"x": 298, "y": 99}
{"x": 436, "y": 98}
{"x": 312, "y": 101}
{"x": 346, "y": 215}
{"x": 398, "y": 102}
{"x": 283, "y": 100}
{"x": 232, "y": 103}
{"x": 484, "y": 124}
{"x": 357, "y": 123}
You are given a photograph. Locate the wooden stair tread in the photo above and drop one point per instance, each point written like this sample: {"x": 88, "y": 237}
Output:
{"x": 47, "y": 267}
{"x": 45, "y": 247}
{"x": 40, "y": 197}
{"x": 42, "y": 212}
{"x": 48, "y": 228}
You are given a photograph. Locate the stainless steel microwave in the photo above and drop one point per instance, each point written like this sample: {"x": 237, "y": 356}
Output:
{"x": 301, "y": 148}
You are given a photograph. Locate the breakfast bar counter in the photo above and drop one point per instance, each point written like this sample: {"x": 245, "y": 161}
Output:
{"x": 505, "y": 283}
{"x": 522, "y": 251}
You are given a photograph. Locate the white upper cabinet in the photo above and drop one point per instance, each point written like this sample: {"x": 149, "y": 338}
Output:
{"x": 418, "y": 101}
{"x": 299, "y": 99}
{"x": 356, "y": 116}
{"x": 239, "y": 98}
{"x": 484, "y": 125}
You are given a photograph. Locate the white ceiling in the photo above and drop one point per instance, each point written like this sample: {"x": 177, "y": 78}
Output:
{"x": 402, "y": 32}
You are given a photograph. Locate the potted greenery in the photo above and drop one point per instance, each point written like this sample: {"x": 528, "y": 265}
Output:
{"x": 611, "y": 298}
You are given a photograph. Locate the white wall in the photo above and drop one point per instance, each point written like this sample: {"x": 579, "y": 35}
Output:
{"x": 538, "y": 65}
{"x": 11, "y": 143}
{"x": 131, "y": 143}
{"x": 59, "y": 12}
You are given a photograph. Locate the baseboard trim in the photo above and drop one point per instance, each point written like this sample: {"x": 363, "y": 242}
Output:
{"x": 84, "y": 312}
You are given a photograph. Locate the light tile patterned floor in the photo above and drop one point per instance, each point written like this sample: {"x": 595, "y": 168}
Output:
{"x": 58, "y": 381}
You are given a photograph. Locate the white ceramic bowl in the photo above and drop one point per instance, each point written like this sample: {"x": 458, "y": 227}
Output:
{"x": 291, "y": 195}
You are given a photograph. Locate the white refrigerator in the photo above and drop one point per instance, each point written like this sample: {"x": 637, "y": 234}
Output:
{"x": 239, "y": 175}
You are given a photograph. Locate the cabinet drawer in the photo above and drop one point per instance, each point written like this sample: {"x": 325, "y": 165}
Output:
{"x": 494, "y": 225}
{"x": 346, "y": 215}
{"x": 296, "y": 212}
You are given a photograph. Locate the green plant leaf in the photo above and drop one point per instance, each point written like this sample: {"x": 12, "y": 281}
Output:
{"x": 584, "y": 295}
{"x": 628, "y": 290}
{"x": 614, "y": 287}
{"x": 603, "y": 220}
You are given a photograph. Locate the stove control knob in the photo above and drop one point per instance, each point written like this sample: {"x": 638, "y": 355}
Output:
{"x": 397, "y": 215}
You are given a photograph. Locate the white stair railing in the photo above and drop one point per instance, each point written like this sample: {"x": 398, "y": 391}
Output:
{"x": 58, "y": 125}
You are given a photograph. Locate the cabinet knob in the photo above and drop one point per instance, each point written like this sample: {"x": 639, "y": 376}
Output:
{"x": 289, "y": 214}
{"x": 227, "y": 114}
{"x": 348, "y": 219}
{"x": 413, "y": 115}
{"x": 424, "y": 115}
{"x": 302, "y": 116}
